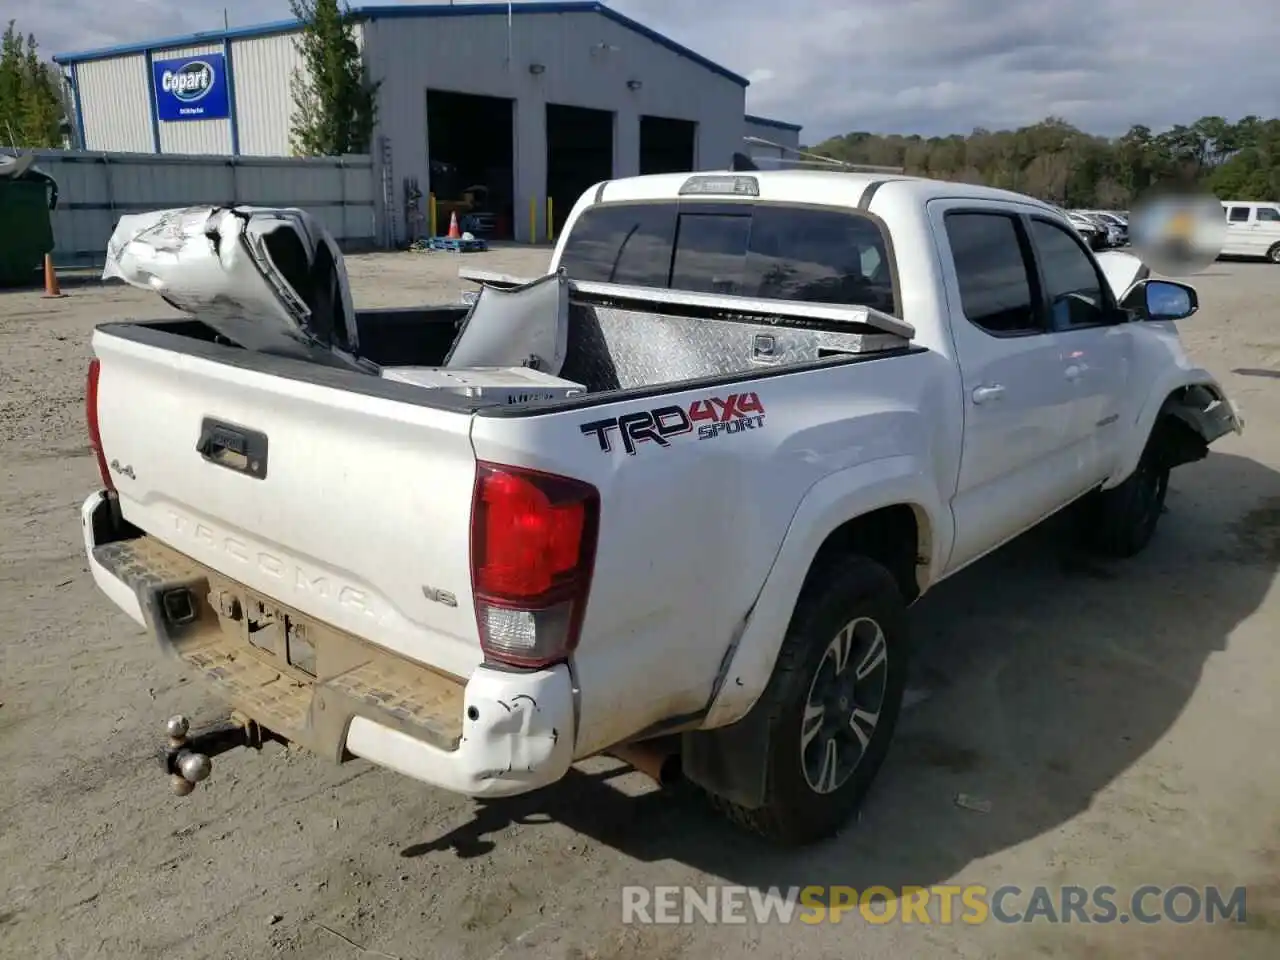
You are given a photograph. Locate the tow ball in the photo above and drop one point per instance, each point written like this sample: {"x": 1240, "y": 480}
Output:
{"x": 188, "y": 758}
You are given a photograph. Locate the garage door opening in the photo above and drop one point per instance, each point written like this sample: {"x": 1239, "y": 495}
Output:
{"x": 666, "y": 145}
{"x": 579, "y": 153}
{"x": 471, "y": 140}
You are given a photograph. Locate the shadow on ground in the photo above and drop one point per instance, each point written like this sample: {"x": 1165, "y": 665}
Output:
{"x": 1051, "y": 675}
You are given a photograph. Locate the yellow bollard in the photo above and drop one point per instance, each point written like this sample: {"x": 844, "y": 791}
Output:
{"x": 551, "y": 230}
{"x": 533, "y": 219}
{"x": 431, "y": 215}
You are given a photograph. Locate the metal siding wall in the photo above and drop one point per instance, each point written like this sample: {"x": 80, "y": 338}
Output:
{"x": 468, "y": 54}
{"x": 264, "y": 102}
{"x": 787, "y": 138}
{"x": 193, "y": 136}
{"x": 95, "y": 189}
{"x": 264, "y": 108}
{"x": 115, "y": 104}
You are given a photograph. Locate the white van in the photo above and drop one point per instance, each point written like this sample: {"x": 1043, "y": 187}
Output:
{"x": 1253, "y": 229}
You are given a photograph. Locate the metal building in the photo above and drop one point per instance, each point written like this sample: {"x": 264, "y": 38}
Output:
{"x": 492, "y": 109}
{"x": 786, "y": 136}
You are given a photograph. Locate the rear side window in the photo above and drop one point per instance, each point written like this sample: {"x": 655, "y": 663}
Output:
{"x": 751, "y": 250}
{"x": 993, "y": 273}
{"x": 1239, "y": 215}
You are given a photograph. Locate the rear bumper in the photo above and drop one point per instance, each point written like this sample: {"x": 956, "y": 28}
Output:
{"x": 500, "y": 733}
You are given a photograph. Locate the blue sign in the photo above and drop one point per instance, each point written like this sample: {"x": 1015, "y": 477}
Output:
{"x": 192, "y": 88}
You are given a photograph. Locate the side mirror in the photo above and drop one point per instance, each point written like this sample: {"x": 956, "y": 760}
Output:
{"x": 1161, "y": 300}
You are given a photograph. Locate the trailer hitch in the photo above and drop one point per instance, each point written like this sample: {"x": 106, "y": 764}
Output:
{"x": 188, "y": 758}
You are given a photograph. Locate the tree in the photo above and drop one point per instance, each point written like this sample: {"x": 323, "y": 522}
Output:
{"x": 1055, "y": 161}
{"x": 336, "y": 105}
{"x": 31, "y": 111}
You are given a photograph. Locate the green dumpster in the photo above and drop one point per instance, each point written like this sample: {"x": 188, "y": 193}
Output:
{"x": 27, "y": 195}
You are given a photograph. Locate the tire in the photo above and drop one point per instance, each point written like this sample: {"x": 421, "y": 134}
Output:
{"x": 1274, "y": 254}
{"x": 1120, "y": 522}
{"x": 859, "y": 610}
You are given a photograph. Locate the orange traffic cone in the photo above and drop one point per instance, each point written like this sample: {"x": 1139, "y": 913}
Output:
{"x": 51, "y": 288}
{"x": 454, "y": 232}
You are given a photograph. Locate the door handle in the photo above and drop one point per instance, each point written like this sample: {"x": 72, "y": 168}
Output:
{"x": 992, "y": 391}
{"x": 1072, "y": 373}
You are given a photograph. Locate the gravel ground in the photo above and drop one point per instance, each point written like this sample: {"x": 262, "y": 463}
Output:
{"x": 1119, "y": 720}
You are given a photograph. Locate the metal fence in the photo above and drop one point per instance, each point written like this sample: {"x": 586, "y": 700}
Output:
{"x": 95, "y": 189}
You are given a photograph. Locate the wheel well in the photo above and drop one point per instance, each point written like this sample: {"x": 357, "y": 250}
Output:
{"x": 891, "y": 536}
{"x": 1178, "y": 435}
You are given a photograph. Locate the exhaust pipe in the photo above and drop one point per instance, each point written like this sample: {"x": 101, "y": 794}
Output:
{"x": 656, "y": 759}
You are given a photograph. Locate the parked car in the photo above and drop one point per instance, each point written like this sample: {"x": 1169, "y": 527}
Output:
{"x": 796, "y": 403}
{"x": 1110, "y": 231}
{"x": 1093, "y": 232}
{"x": 1253, "y": 229}
{"x": 1118, "y": 226}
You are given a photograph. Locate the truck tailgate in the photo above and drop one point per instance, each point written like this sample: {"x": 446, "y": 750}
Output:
{"x": 353, "y": 509}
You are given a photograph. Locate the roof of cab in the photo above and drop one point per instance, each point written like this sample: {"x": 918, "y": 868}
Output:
{"x": 823, "y": 187}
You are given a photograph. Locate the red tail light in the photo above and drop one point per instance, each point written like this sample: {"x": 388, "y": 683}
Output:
{"x": 91, "y": 416}
{"x": 533, "y": 544}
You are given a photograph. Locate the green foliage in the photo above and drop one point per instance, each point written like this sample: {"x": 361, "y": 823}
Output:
{"x": 1057, "y": 162}
{"x": 31, "y": 110}
{"x": 336, "y": 106}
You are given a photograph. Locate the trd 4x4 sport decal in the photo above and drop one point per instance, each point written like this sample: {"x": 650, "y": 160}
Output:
{"x": 713, "y": 417}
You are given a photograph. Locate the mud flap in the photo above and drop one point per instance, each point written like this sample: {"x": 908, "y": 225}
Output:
{"x": 730, "y": 762}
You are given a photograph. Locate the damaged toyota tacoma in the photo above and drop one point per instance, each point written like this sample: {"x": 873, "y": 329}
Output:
{"x": 669, "y": 502}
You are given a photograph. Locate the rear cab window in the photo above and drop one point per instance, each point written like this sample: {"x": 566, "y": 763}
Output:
{"x": 748, "y": 249}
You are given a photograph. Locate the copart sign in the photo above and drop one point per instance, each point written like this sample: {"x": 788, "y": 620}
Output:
{"x": 191, "y": 88}
{"x": 707, "y": 419}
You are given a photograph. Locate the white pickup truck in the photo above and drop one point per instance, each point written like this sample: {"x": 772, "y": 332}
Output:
{"x": 806, "y": 398}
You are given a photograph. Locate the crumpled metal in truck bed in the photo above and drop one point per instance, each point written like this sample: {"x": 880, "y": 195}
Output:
{"x": 268, "y": 279}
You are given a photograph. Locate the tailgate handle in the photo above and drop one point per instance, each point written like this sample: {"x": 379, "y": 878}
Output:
{"x": 236, "y": 448}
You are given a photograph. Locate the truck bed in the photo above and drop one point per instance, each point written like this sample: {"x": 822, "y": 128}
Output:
{"x": 392, "y": 336}
{"x": 618, "y": 340}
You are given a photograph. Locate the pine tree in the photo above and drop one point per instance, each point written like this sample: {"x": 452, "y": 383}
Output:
{"x": 31, "y": 107}
{"x": 335, "y": 104}
{"x": 42, "y": 101}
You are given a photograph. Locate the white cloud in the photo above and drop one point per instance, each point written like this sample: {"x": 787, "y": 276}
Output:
{"x": 909, "y": 66}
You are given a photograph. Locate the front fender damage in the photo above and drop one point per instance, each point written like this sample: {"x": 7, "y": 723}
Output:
{"x": 1191, "y": 419}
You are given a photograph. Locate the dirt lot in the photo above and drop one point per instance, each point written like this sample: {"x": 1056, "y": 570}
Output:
{"x": 1121, "y": 720}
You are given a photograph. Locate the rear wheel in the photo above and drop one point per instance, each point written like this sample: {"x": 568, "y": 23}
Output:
{"x": 832, "y": 704}
{"x": 1274, "y": 254}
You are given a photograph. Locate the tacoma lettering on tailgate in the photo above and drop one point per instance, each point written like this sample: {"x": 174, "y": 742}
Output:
{"x": 713, "y": 417}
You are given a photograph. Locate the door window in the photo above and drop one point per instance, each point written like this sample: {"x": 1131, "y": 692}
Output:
{"x": 1239, "y": 215}
{"x": 997, "y": 287}
{"x": 1269, "y": 214}
{"x": 1075, "y": 291}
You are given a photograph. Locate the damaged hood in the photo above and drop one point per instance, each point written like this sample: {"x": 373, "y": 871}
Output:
{"x": 1122, "y": 270}
{"x": 268, "y": 279}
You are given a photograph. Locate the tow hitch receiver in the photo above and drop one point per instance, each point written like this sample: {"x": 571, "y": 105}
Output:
{"x": 188, "y": 759}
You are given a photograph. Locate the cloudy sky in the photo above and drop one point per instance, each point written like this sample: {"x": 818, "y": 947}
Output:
{"x": 903, "y": 66}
